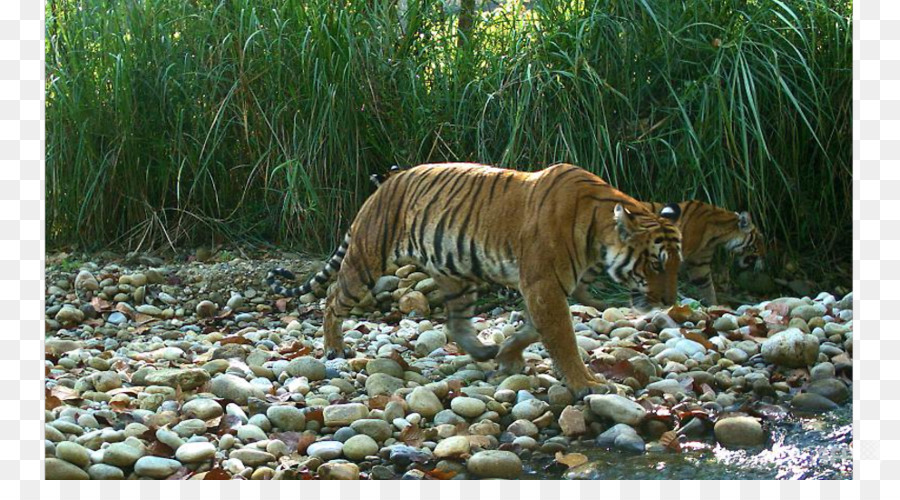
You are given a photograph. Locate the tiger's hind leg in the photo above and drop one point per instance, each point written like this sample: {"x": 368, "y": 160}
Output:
{"x": 549, "y": 311}
{"x": 510, "y": 355}
{"x": 459, "y": 297}
{"x": 350, "y": 289}
{"x": 700, "y": 275}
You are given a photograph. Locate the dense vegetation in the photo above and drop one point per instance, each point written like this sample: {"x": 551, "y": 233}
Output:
{"x": 195, "y": 121}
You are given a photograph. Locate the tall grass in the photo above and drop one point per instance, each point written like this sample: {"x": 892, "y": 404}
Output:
{"x": 181, "y": 122}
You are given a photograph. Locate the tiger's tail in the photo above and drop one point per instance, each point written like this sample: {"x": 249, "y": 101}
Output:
{"x": 314, "y": 282}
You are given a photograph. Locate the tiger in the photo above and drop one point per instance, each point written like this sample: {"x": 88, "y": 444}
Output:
{"x": 705, "y": 228}
{"x": 537, "y": 232}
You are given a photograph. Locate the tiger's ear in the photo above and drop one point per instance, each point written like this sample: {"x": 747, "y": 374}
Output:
{"x": 745, "y": 224}
{"x": 376, "y": 179}
{"x": 671, "y": 211}
{"x": 624, "y": 221}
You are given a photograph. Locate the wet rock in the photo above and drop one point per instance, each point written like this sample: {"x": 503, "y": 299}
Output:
{"x": 623, "y": 437}
{"x": 495, "y": 464}
{"x": 735, "y": 432}
{"x": 809, "y": 402}
{"x": 831, "y": 388}
{"x": 523, "y": 427}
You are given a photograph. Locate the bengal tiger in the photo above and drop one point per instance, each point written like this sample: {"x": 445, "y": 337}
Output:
{"x": 536, "y": 232}
{"x": 704, "y": 229}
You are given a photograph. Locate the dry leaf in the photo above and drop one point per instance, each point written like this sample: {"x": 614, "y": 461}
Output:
{"x": 439, "y": 474}
{"x": 680, "y": 313}
{"x": 412, "y": 436}
{"x": 100, "y": 305}
{"x": 122, "y": 308}
{"x": 235, "y": 339}
{"x": 669, "y": 439}
{"x": 182, "y": 473}
{"x": 217, "y": 473}
{"x": 571, "y": 459}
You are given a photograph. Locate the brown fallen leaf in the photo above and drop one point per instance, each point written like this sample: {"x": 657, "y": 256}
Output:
{"x": 235, "y": 339}
{"x": 182, "y": 473}
{"x": 439, "y": 474}
{"x": 571, "y": 459}
{"x": 100, "y": 305}
{"x": 412, "y": 436}
{"x": 133, "y": 390}
{"x": 669, "y": 439}
{"x": 680, "y": 313}
{"x": 51, "y": 401}
{"x": 122, "y": 308}
{"x": 64, "y": 393}
{"x": 217, "y": 474}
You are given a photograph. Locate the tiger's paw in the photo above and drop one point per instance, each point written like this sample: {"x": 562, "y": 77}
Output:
{"x": 341, "y": 352}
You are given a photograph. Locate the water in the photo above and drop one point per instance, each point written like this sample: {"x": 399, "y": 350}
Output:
{"x": 798, "y": 448}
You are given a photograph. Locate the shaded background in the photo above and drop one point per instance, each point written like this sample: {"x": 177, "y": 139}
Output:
{"x": 178, "y": 123}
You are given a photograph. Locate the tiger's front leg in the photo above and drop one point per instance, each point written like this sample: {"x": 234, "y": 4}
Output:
{"x": 549, "y": 311}
{"x": 460, "y": 297}
{"x": 583, "y": 296}
{"x": 700, "y": 275}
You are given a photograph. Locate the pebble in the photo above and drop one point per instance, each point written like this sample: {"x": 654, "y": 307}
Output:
{"x": 307, "y": 366}
{"x": 617, "y": 408}
{"x": 791, "y": 348}
{"x": 736, "y": 432}
{"x": 623, "y": 437}
{"x": 359, "y": 447}
{"x": 156, "y": 467}
{"x": 452, "y": 447}
{"x": 830, "y": 388}
{"x": 571, "y": 421}
{"x": 495, "y": 464}
{"x": 251, "y": 457}
{"x": 286, "y": 418}
{"x": 195, "y": 452}
{"x": 122, "y": 455}
{"x": 234, "y": 388}
{"x": 809, "y": 402}
{"x": 203, "y": 408}
{"x": 468, "y": 407}
{"x": 326, "y": 450}
{"x": 73, "y": 453}
{"x": 383, "y": 384}
{"x": 429, "y": 341}
{"x": 339, "y": 470}
{"x": 377, "y": 429}
{"x": 424, "y": 402}
{"x": 344, "y": 414}
{"x": 55, "y": 469}
{"x": 105, "y": 472}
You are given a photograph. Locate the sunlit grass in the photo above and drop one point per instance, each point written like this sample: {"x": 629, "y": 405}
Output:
{"x": 185, "y": 122}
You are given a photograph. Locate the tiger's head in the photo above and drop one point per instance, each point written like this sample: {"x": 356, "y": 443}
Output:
{"x": 747, "y": 244}
{"x": 648, "y": 263}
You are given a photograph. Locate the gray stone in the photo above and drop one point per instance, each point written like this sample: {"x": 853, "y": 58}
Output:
{"x": 286, "y": 418}
{"x": 156, "y": 467}
{"x": 424, "y": 402}
{"x": 345, "y": 414}
{"x": 105, "y": 472}
{"x": 122, "y": 455}
{"x": 382, "y": 384}
{"x": 831, "y": 388}
{"x": 623, "y": 437}
{"x": 791, "y": 348}
{"x": 326, "y": 450}
{"x": 495, "y": 464}
{"x": 384, "y": 365}
{"x": 359, "y": 447}
{"x": 195, "y": 452}
{"x": 235, "y": 389}
{"x": 56, "y": 469}
{"x": 307, "y": 366}
{"x": 203, "y": 408}
{"x": 377, "y": 429}
{"x": 529, "y": 409}
{"x": 617, "y": 408}
{"x": 468, "y": 407}
{"x": 810, "y": 402}
{"x": 190, "y": 427}
{"x": 252, "y": 457}
{"x": 73, "y": 453}
{"x": 430, "y": 340}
